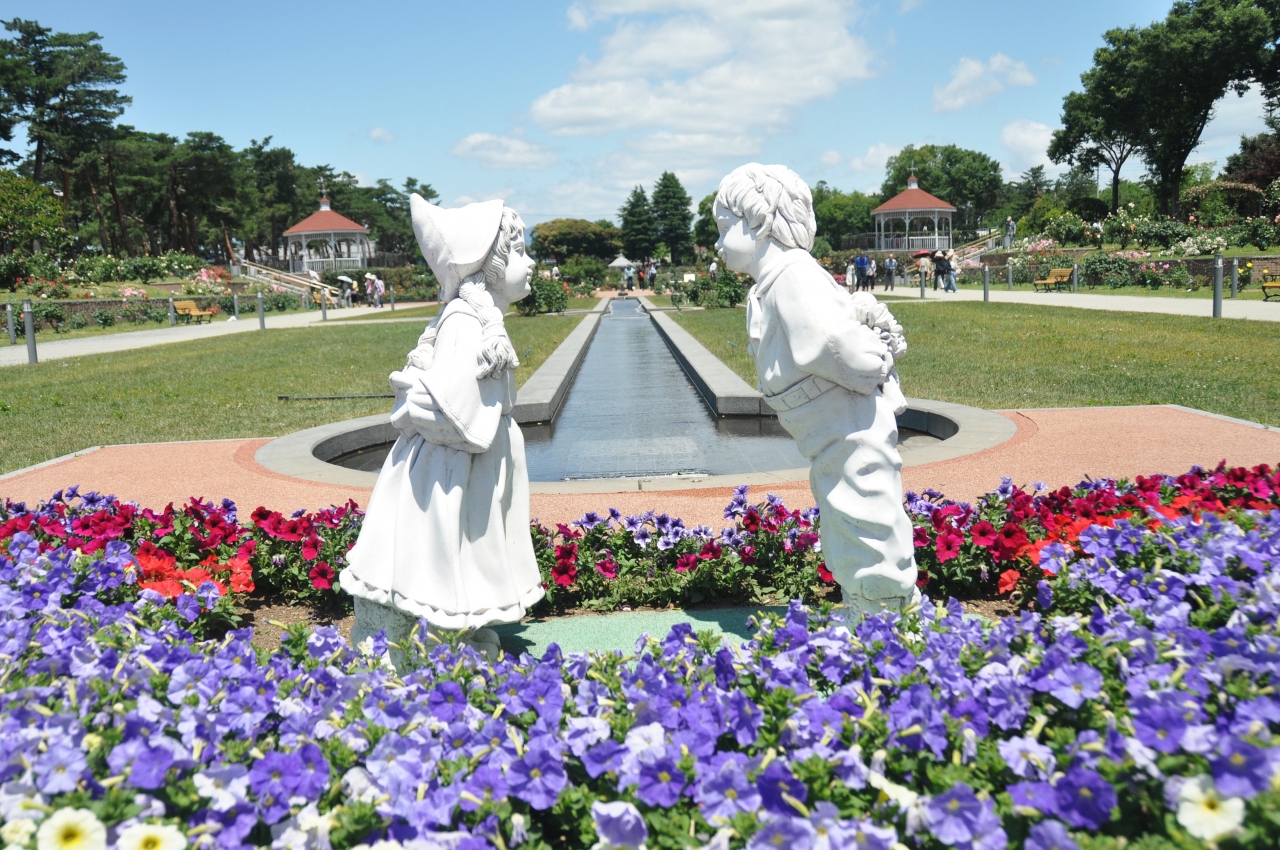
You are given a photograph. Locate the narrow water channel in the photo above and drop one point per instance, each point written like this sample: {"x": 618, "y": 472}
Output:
{"x": 633, "y": 412}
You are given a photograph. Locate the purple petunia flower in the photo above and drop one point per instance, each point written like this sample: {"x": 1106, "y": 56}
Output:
{"x": 953, "y": 817}
{"x": 538, "y": 778}
{"x": 58, "y": 768}
{"x": 775, "y": 781}
{"x": 1049, "y": 835}
{"x": 726, "y": 792}
{"x": 1241, "y": 769}
{"x": 1084, "y": 798}
{"x": 188, "y": 607}
{"x": 660, "y": 783}
{"x": 619, "y": 824}
{"x": 792, "y": 833}
{"x": 1027, "y": 757}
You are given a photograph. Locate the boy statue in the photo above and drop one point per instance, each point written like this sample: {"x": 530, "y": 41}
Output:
{"x": 825, "y": 361}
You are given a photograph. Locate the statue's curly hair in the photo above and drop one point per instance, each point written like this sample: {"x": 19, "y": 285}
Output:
{"x": 773, "y": 200}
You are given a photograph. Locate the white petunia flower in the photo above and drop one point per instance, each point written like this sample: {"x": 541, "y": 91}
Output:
{"x": 71, "y": 829}
{"x": 1203, "y": 812}
{"x": 17, "y": 832}
{"x": 151, "y": 836}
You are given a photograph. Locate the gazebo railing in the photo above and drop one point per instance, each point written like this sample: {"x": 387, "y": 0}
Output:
{"x": 914, "y": 242}
{"x": 299, "y": 265}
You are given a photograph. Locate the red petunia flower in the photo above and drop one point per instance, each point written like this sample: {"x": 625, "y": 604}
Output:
{"x": 686, "y": 562}
{"x": 564, "y": 572}
{"x": 322, "y": 576}
{"x": 1008, "y": 580}
{"x": 948, "y": 545}
{"x": 825, "y": 574}
{"x": 983, "y": 533}
{"x": 920, "y": 536}
{"x": 607, "y": 567}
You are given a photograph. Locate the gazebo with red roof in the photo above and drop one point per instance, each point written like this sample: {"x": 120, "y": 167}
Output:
{"x": 914, "y": 209}
{"x": 327, "y": 240}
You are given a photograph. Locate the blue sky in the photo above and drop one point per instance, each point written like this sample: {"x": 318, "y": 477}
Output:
{"x": 559, "y": 108}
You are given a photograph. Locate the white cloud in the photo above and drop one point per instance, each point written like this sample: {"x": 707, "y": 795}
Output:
{"x": 830, "y": 159}
{"x": 905, "y": 6}
{"x": 503, "y": 152}
{"x": 705, "y": 66}
{"x": 381, "y": 135}
{"x": 876, "y": 157}
{"x": 973, "y": 81}
{"x": 1028, "y": 141}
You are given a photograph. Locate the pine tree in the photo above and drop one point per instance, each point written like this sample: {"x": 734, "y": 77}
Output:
{"x": 673, "y": 216}
{"x": 639, "y": 229}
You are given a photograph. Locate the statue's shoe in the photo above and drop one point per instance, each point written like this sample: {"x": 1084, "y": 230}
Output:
{"x": 483, "y": 640}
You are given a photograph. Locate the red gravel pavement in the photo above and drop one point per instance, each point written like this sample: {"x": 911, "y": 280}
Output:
{"x": 1058, "y": 447}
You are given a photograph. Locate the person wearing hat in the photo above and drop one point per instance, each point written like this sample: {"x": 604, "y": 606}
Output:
{"x": 446, "y": 532}
{"x": 368, "y": 289}
{"x": 940, "y": 269}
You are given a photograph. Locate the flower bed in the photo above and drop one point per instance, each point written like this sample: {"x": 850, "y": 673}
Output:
{"x": 1138, "y": 708}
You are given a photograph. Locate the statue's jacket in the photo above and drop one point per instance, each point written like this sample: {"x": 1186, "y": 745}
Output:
{"x": 446, "y": 533}
{"x": 830, "y": 377}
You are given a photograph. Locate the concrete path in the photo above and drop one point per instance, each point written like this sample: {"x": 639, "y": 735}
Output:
{"x": 1265, "y": 311}
{"x": 54, "y": 349}
{"x": 1056, "y": 446}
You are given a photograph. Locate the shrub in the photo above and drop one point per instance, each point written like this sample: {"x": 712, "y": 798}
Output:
{"x": 145, "y": 269}
{"x": 48, "y": 313}
{"x": 78, "y": 320}
{"x": 547, "y": 296}
{"x": 1162, "y": 233}
{"x": 1070, "y": 229}
{"x": 104, "y": 317}
{"x": 1101, "y": 269}
{"x": 1158, "y": 273}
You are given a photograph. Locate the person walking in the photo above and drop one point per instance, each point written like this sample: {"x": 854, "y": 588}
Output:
{"x": 939, "y": 270}
{"x": 379, "y": 290}
{"x": 850, "y": 273}
{"x": 860, "y": 269}
{"x": 890, "y": 268}
{"x": 952, "y": 268}
{"x": 653, "y": 275}
{"x": 629, "y": 275}
{"x": 555, "y": 273}
{"x": 368, "y": 289}
{"x": 871, "y": 273}
{"x": 1010, "y": 231}
{"x": 714, "y": 270}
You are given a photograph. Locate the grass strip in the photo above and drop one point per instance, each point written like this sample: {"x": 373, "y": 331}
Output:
{"x": 223, "y": 387}
{"x": 1000, "y": 356}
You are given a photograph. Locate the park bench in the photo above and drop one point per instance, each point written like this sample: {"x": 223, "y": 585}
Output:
{"x": 1058, "y": 279}
{"x": 189, "y": 311}
{"x": 1270, "y": 289}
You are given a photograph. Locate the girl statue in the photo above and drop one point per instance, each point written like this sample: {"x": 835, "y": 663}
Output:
{"x": 446, "y": 533}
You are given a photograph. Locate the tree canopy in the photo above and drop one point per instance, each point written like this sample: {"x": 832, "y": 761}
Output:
{"x": 841, "y": 214}
{"x": 28, "y": 213}
{"x": 563, "y": 238}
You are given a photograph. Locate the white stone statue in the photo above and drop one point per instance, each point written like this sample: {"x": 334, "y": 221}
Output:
{"x": 446, "y": 533}
{"x": 825, "y": 361}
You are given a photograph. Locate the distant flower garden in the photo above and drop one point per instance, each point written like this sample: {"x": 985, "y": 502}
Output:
{"x": 1135, "y": 706}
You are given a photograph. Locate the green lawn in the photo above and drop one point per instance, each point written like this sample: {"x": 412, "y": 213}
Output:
{"x": 424, "y": 311}
{"x": 1000, "y": 356}
{"x": 220, "y": 387}
{"x": 1249, "y": 293}
{"x": 659, "y": 300}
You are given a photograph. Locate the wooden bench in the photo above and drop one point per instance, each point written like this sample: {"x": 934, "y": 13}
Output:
{"x": 1270, "y": 289}
{"x": 189, "y": 311}
{"x": 1058, "y": 279}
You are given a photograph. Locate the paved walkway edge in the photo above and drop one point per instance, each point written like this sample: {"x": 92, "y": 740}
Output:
{"x": 540, "y": 397}
{"x": 724, "y": 392}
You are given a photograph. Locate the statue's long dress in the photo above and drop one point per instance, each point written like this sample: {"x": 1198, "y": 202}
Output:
{"x": 802, "y": 324}
{"x": 446, "y": 533}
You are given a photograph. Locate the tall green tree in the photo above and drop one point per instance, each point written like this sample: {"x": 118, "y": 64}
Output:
{"x": 969, "y": 180}
{"x": 1172, "y": 74}
{"x": 639, "y": 229}
{"x": 1099, "y": 127}
{"x": 28, "y": 214}
{"x": 705, "y": 231}
{"x": 841, "y": 215}
{"x": 64, "y": 89}
{"x": 673, "y": 217}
